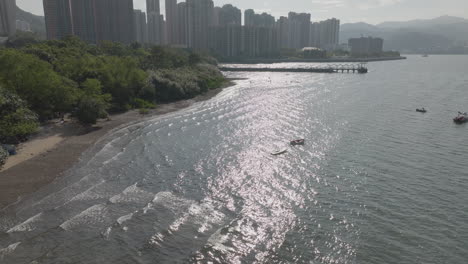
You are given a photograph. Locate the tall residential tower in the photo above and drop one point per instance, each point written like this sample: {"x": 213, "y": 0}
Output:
{"x": 155, "y": 24}
{"x": 141, "y": 29}
{"x": 172, "y": 27}
{"x": 200, "y": 19}
{"x": 91, "y": 20}
{"x": 58, "y": 18}
{"x": 7, "y": 17}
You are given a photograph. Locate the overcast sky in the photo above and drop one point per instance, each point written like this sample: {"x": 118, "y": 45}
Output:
{"x": 370, "y": 11}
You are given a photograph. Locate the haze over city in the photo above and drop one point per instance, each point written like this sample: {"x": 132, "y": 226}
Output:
{"x": 369, "y": 11}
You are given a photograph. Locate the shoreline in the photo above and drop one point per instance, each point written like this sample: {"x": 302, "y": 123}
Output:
{"x": 331, "y": 60}
{"x": 51, "y": 153}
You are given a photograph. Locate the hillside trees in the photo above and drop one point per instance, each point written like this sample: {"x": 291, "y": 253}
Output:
{"x": 59, "y": 76}
{"x": 17, "y": 121}
{"x": 34, "y": 80}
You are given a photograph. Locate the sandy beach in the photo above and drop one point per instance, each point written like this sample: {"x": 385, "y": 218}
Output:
{"x": 58, "y": 146}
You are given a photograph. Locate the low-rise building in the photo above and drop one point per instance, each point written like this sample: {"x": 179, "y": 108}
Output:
{"x": 366, "y": 46}
{"x": 23, "y": 26}
{"x": 313, "y": 53}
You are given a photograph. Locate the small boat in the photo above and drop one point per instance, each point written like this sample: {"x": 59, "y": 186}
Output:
{"x": 297, "y": 142}
{"x": 425, "y": 55}
{"x": 362, "y": 70}
{"x": 461, "y": 118}
{"x": 281, "y": 152}
{"x": 422, "y": 110}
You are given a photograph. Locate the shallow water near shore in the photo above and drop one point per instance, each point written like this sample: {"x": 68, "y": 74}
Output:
{"x": 376, "y": 182}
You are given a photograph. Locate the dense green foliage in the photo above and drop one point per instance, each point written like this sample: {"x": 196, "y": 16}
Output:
{"x": 3, "y": 156}
{"x": 70, "y": 76}
{"x": 16, "y": 120}
{"x": 36, "y": 82}
{"x": 182, "y": 83}
{"x": 90, "y": 109}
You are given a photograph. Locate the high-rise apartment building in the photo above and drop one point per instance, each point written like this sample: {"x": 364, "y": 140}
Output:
{"x": 58, "y": 18}
{"x": 84, "y": 19}
{"x": 114, "y": 20}
{"x": 267, "y": 40}
{"x": 258, "y": 20}
{"x": 141, "y": 29}
{"x": 249, "y": 16}
{"x": 7, "y": 17}
{"x": 259, "y": 41}
{"x": 299, "y": 30}
{"x": 182, "y": 23}
{"x": 162, "y": 28}
{"x": 259, "y": 35}
{"x": 155, "y": 27}
{"x": 216, "y": 14}
{"x": 229, "y": 15}
{"x": 153, "y": 6}
{"x": 91, "y": 20}
{"x": 172, "y": 27}
{"x": 329, "y": 31}
{"x": 200, "y": 19}
{"x": 282, "y": 27}
{"x": 226, "y": 39}
{"x": 314, "y": 36}
{"x": 250, "y": 41}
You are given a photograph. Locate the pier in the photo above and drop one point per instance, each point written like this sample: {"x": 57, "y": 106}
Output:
{"x": 330, "y": 68}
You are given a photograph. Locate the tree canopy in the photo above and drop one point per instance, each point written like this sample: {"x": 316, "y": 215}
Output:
{"x": 59, "y": 76}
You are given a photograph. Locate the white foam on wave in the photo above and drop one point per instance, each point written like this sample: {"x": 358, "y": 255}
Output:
{"x": 202, "y": 216}
{"x": 168, "y": 200}
{"x": 132, "y": 194}
{"x": 27, "y": 225}
{"x": 94, "y": 215}
{"x": 116, "y": 157}
{"x": 58, "y": 197}
{"x": 89, "y": 194}
{"x": 125, "y": 218}
{"x": 217, "y": 240}
{"x": 8, "y": 250}
{"x": 109, "y": 149}
{"x": 106, "y": 234}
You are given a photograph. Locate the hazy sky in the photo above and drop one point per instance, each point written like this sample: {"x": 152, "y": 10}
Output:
{"x": 370, "y": 11}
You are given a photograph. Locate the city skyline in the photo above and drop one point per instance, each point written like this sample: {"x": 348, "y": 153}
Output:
{"x": 195, "y": 24}
{"x": 369, "y": 11}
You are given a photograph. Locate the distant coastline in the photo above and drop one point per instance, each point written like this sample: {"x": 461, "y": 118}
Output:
{"x": 297, "y": 60}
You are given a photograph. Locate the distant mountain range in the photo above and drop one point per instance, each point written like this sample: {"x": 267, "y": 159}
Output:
{"x": 444, "y": 34}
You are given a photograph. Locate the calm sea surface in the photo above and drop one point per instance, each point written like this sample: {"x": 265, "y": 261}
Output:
{"x": 376, "y": 182}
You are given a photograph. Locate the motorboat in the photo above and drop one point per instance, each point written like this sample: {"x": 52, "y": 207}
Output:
{"x": 421, "y": 110}
{"x": 281, "y": 152}
{"x": 297, "y": 142}
{"x": 461, "y": 118}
